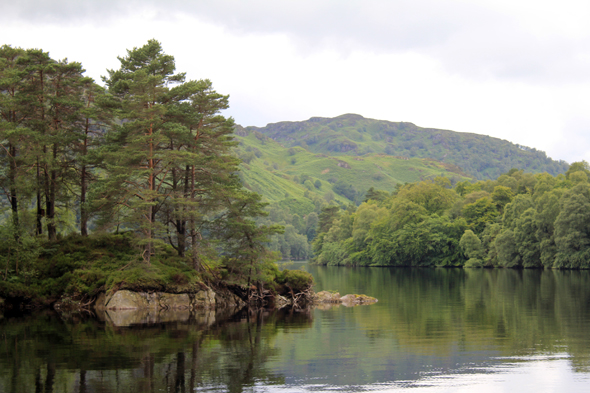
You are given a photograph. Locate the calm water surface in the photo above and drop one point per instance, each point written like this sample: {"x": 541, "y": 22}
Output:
{"x": 433, "y": 330}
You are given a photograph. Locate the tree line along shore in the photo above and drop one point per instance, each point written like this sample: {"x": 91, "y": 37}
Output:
{"x": 519, "y": 220}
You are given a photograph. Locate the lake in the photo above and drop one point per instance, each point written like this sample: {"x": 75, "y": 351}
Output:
{"x": 433, "y": 330}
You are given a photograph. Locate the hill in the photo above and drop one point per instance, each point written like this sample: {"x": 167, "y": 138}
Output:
{"x": 301, "y": 167}
{"x": 480, "y": 156}
{"x": 296, "y": 176}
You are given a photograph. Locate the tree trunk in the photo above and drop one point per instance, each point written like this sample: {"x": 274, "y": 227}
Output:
{"x": 83, "y": 208}
{"x": 13, "y": 194}
{"x": 151, "y": 209}
{"x": 50, "y": 185}
{"x": 181, "y": 220}
{"x": 181, "y": 236}
{"x": 40, "y": 211}
{"x": 193, "y": 229}
{"x": 83, "y": 181}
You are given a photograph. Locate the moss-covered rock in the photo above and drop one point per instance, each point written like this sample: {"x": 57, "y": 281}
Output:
{"x": 353, "y": 300}
{"x": 327, "y": 297}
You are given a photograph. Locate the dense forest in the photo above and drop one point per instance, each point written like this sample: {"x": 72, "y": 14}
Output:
{"x": 519, "y": 220}
{"x": 148, "y": 156}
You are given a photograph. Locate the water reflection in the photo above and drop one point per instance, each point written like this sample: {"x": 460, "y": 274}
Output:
{"x": 432, "y": 328}
{"x": 45, "y": 353}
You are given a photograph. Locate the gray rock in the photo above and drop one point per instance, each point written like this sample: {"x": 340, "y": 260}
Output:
{"x": 325, "y": 297}
{"x": 174, "y": 301}
{"x": 204, "y": 299}
{"x": 130, "y": 300}
{"x": 353, "y": 300}
{"x": 127, "y": 300}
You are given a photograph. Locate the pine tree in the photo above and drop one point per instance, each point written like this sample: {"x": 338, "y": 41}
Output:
{"x": 143, "y": 155}
{"x": 66, "y": 87}
{"x": 13, "y": 131}
{"x": 38, "y": 65}
{"x": 205, "y": 167}
{"x": 95, "y": 118}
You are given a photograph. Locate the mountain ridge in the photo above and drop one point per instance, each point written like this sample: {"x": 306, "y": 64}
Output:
{"x": 481, "y": 156}
{"x": 302, "y": 167}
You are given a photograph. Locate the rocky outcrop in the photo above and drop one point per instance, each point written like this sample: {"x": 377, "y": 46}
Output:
{"x": 326, "y": 297}
{"x": 130, "y": 300}
{"x": 354, "y": 300}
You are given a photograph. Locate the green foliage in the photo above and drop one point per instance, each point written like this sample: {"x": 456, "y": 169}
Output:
{"x": 507, "y": 249}
{"x": 344, "y": 189}
{"x": 502, "y": 196}
{"x": 518, "y": 221}
{"x": 525, "y": 235}
{"x": 480, "y": 213}
{"x": 18, "y": 253}
{"x": 295, "y": 280}
{"x": 244, "y": 242}
{"x": 80, "y": 267}
{"x": 472, "y": 248}
{"x": 572, "y": 229}
{"x": 150, "y": 155}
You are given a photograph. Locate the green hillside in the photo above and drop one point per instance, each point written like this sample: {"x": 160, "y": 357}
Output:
{"x": 480, "y": 156}
{"x": 297, "y": 183}
{"x": 295, "y": 177}
{"x": 301, "y": 167}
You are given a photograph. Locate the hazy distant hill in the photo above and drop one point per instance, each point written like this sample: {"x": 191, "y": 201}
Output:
{"x": 480, "y": 156}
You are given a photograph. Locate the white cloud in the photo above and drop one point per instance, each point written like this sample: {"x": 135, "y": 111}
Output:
{"x": 514, "y": 70}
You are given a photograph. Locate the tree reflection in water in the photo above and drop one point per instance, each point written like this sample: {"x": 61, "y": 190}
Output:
{"x": 47, "y": 353}
{"x": 426, "y": 321}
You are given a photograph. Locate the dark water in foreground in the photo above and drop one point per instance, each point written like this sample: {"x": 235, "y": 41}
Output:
{"x": 433, "y": 330}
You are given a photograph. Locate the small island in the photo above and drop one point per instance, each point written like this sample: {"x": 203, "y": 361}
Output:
{"x": 128, "y": 195}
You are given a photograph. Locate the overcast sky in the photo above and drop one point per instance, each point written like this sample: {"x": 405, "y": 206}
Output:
{"x": 516, "y": 70}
